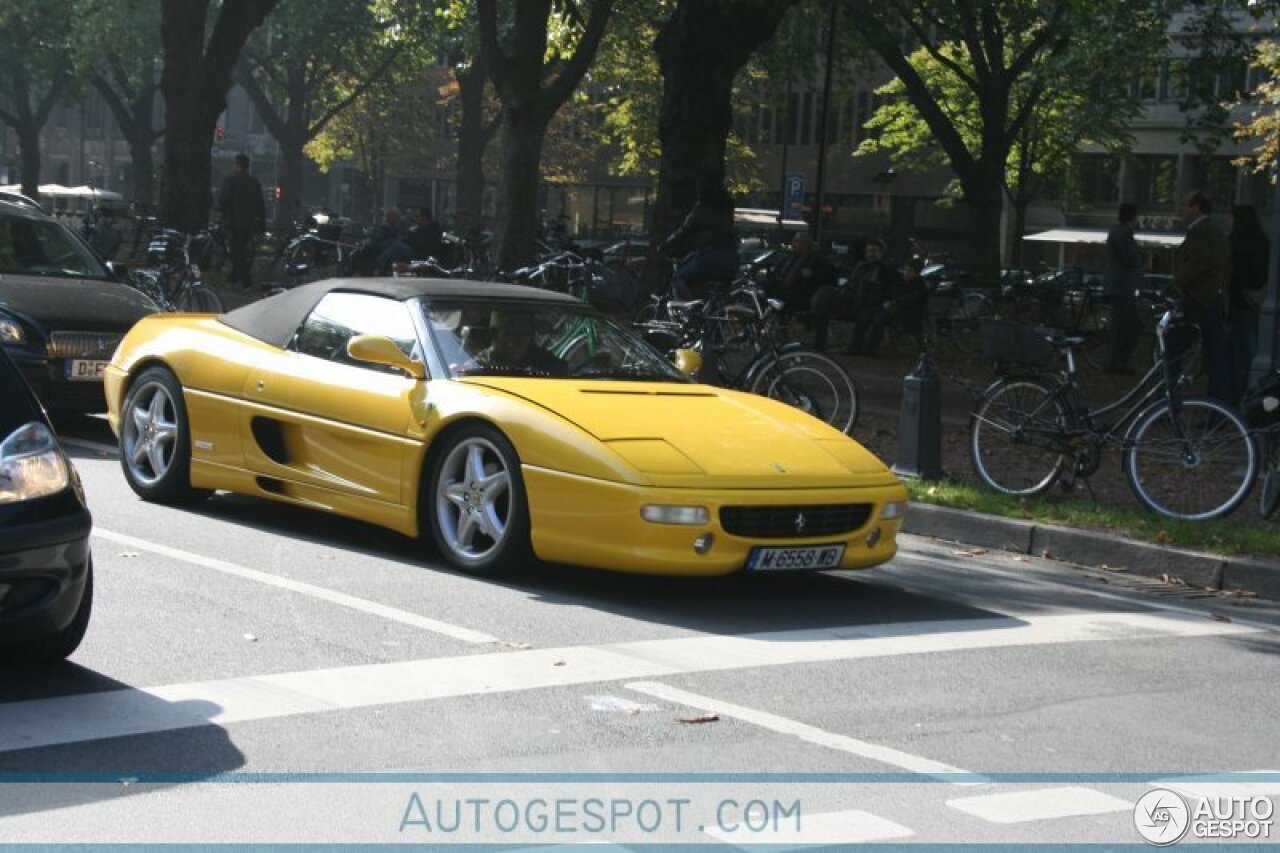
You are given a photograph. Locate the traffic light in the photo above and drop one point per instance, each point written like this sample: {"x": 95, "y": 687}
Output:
{"x": 279, "y": 191}
{"x": 220, "y": 132}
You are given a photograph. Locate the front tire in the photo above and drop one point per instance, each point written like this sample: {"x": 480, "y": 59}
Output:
{"x": 476, "y": 502}
{"x": 1193, "y": 460}
{"x": 155, "y": 439}
{"x": 200, "y": 299}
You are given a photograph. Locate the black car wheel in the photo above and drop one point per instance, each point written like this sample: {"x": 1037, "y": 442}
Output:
{"x": 59, "y": 645}
{"x": 477, "y": 506}
{"x": 155, "y": 439}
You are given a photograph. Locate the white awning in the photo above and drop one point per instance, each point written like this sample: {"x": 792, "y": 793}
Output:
{"x": 763, "y": 218}
{"x": 1156, "y": 239}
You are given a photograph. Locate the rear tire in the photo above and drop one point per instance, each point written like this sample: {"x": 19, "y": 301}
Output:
{"x": 1014, "y": 438}
{"x": 155, "y": 440}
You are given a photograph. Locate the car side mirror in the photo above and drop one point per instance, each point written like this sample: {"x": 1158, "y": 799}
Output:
{"x": 377, "y": 349}
{"x": 688, "y": 362}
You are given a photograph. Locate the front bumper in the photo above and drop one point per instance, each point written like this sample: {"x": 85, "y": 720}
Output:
{"x": 43, "y": 568}
{"x": 588, "y": 522}
{"x": 47, "y": 377}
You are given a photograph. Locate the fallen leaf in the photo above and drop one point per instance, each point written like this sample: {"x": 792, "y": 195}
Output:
{"x": 129, "y": 554}
{"x": 510, "y": 644}
{"x": 1021, "y": 559}
{"x": 701, "y": 718}
{"x": 1218, "y": 617}
{"x": 558, "y": 663}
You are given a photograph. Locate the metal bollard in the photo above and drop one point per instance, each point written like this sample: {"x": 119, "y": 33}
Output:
{"x": 920, "y": 424}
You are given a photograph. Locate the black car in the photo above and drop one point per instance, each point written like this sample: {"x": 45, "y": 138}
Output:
{"x": 62, "y": 311}
{"x": 46, "y": 570}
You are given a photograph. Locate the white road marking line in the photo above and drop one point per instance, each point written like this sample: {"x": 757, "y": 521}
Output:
{"x": 1043, "y": 804}
{"x": 1207, "y": 787}
{"x": 1135, "y": 599}
{"x": 803, "y": 731}
{"x": 71, "y": 719}
{"x": 847, "y": 827}
{"x": 382, "y": 611}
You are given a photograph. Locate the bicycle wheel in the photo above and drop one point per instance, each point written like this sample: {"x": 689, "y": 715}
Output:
{"x": 1016, "y": 437}
{"x": 813, "y": 383}
{"x": 964, "y": 320}
{"x": 200, "y": 299}
{"x": 1193, "y": 461}
{"x": 1269, "y": 493}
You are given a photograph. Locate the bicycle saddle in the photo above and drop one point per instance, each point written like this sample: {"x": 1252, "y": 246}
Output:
{"x": 1064, "y": 341}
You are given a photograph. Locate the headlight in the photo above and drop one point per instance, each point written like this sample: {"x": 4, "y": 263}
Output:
{"x": 11, "y": 332}
{"x": 31, "y": 465}
{"x": 893, "y": 509}
{"x": 662, "y": 514}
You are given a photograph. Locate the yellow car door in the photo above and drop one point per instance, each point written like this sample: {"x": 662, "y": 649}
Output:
{"x": 318, "y": 419}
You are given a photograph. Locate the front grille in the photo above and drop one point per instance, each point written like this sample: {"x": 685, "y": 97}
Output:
{"x": 83, "y": 344}
{"x": 793, "y": 522}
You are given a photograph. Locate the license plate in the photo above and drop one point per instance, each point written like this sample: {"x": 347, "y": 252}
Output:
{"x": 784, "y": 559}
{"x": 85, "y": 370}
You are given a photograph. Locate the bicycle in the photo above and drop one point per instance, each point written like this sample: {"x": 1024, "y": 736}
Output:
{"x": 171, "y": 279}
{"x": 1069, "y": 304}
{"x": 737, "y": 330}
{"x": 955, "y": 313}
{"x": 1261, "y": 410}
{"x": 1184, "y": 457}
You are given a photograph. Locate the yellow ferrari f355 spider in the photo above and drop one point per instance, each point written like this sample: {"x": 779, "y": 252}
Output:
{"x": 509, "y": 424}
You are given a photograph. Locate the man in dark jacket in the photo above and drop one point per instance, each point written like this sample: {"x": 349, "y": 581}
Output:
{"x": 244, "y": 215}
{"x": 1202, "y": 268}
{"x": 802, "y": 275}
{"x": 1121, "y": 277}
{"x": 705, "y": 240}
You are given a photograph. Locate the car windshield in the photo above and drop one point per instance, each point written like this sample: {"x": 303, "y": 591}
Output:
{"x": 479, "y": 337}
{"x": 42, "y": 247}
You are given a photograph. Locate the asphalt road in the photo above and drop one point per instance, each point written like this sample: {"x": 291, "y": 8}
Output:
{"x": 255, "y": 673}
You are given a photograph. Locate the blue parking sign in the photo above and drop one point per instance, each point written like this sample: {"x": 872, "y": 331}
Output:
{"x": 793, "y": 204}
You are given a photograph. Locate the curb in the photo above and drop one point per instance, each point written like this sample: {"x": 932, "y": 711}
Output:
{"x": 1093, "y": 549}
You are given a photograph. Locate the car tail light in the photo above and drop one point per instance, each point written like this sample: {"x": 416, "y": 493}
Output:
{"x": 32, "y": 465}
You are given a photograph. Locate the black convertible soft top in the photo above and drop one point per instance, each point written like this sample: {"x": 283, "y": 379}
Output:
{"x": 275, "y": 319}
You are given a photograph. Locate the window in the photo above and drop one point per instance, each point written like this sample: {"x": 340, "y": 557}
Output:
{"x": 1155, "y": 180}
{"x": 339, "y": 317}
{"x": 1098, "y": 178}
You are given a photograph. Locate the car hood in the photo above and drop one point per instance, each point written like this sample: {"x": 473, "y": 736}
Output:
{"x": 686, "y": 435}
{"x": 63, "y": 303}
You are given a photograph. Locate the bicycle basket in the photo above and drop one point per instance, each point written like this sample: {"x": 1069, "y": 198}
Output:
{"x": 1011, "y": 343}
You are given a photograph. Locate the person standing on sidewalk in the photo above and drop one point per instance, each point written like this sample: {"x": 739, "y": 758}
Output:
{"x": 1121, "y": 276}
{"x": 1201, "y": 272}
{"x": 244, "y": 215}
{"x": 1250, "y": 254}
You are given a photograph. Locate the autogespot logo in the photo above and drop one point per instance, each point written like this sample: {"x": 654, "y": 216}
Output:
{"x": 1161, "y": 816}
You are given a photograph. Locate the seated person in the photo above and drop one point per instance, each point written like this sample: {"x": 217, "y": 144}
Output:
{"x": 902, "y": 310}
{"x": 514, "y": 346}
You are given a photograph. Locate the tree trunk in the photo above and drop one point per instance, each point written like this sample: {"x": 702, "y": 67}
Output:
{"x": 984, "y": 193}
{"x": 473, "y": 138}
{"x": 517, "y": 226}
{"x": 292, "y": 162}
{"x": 195, "y": 83}
{"x": 700, "y": 48}
{"x": 29, "y": 146}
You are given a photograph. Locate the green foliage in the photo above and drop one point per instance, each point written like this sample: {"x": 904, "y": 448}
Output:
{"x": 37, "y": 46}
{"x": 1262, "y": 127}
{"x": 1218, "y": 37}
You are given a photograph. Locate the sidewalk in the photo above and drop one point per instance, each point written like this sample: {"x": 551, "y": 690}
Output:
{"x": 880, "y": 387}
